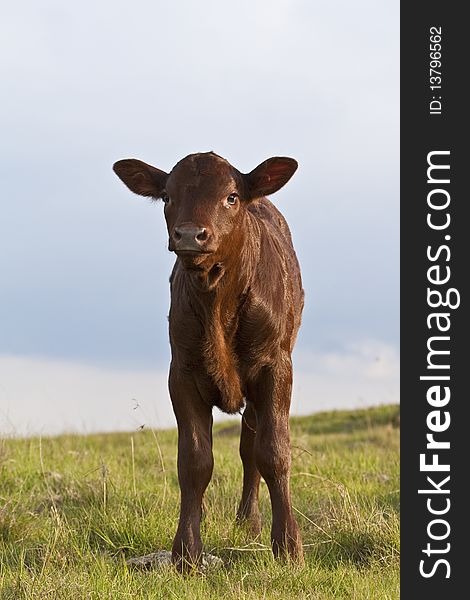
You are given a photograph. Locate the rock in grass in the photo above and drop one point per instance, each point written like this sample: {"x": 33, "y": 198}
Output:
{"x": 162, "y": 558}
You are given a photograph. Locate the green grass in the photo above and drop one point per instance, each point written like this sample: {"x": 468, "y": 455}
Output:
{"x": 72, "y": 508}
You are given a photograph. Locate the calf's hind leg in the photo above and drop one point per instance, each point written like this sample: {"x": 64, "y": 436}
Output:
{"x": 248, "y": 510}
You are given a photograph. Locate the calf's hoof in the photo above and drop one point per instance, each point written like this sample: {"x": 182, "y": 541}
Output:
{"x": 163, "y": 559}
{"x": 289, "y": 547}
{"x": 203, "y": 564}
{"x": 250, "y": 523}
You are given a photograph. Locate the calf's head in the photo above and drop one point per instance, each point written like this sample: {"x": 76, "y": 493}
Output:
{"x": 205, "y": 200}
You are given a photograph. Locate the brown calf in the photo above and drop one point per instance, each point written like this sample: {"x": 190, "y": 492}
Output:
{"x": 236, "y": 304}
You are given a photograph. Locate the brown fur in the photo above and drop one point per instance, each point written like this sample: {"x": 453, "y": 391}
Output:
{"x": 236, "y": 304}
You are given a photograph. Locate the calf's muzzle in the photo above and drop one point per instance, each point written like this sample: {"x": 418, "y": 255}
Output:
{"x": 189, "y": 238}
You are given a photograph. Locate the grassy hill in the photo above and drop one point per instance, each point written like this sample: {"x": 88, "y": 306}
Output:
{"x": 73, "y": 508}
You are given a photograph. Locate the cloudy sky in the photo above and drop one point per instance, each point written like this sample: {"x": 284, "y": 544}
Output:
{"x": 83, "y": 263}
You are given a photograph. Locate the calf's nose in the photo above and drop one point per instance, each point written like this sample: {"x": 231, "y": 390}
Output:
{"x": 190, "y": 237}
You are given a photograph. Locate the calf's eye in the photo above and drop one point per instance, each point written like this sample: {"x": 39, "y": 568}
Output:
{"x": 165, "y": 197}
{"x": 232, "y": 199}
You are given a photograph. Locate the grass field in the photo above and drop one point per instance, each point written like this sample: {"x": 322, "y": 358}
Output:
{"x": 73, "y": 508}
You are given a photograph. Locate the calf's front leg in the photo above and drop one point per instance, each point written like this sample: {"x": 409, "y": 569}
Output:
{"x": 195, "y": 464}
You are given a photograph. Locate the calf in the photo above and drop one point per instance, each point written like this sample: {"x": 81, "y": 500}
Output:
{"x": 236, "y": 304}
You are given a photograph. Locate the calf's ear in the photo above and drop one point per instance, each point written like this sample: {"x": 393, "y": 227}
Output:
{"x": 141, "y": 178}
{"x": 270, "y": 176}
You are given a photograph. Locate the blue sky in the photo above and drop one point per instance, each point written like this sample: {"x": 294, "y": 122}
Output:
{"x": 83, "y": 262}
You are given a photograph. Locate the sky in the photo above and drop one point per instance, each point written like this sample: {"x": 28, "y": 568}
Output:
{"x": 84, "y": 264}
